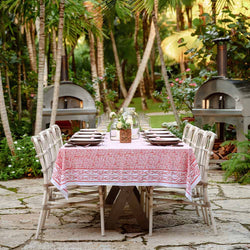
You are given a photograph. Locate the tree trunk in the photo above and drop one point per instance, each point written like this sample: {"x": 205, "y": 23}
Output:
{"x": 58, "y": 63}
{"x": 45, "y": 76}
{"x": 189, "y": 16}
{"x": 5, "y": 121}
{"x": 29, "y": 41}
{"x": 39, "y": 110}
{"x": 163, "y": 67}
{"x": 214, "y": 10}
{"x": 53, "y": 49}
{"x": 152, "y": 78}
{"x": 201, "y": 10}
{"x": 19, "y": 86}
{"x": 182, "y": 65}
{"x": 117, "y": 64}
{"x": 138, "y": 58}
{"x": 93, "y": 66}
{"x": 141, "y": 68}
{"x": 8, "y": 86}
{"x": 100, "y": 60}
{"x": 53, "y": 44}
{"x": 33, "y": 38}
{"x": 24, "y": 71}
{"x": 179, "y": 18}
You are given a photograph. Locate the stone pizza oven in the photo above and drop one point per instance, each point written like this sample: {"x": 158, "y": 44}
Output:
{"x": 222, "y": 100}
{"x": 75, "y": 104}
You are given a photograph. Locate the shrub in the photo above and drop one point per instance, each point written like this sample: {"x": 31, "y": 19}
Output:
{"x": 239, "y": 163}
{"x": 23, "y": 164}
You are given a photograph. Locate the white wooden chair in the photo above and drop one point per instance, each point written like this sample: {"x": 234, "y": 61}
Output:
{"x": 47, "y": 144}
{"x": 186, "y": 131}
{"x": 202, "y": 145}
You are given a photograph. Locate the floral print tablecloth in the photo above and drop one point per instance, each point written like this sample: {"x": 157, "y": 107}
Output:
{"x": 126, "y": 164}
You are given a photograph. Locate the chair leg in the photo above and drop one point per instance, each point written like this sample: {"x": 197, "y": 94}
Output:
{"x": 41, "y": 222}
{"x": 150, "y": 210}
{"x": 142, "y": 199}
{"x": 101, "y": 191}
{"x": 212, "y": 220}
{"x": 147, "y": 201}
{"x": 43, "y": 214}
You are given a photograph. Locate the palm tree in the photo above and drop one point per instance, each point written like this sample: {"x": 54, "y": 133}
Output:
{"x": 39, "y": 109}
{"x": 4, "y": 119}
{"x": 92, "y": 53}
{"x": 58, "y": 63}
{"x": 142, "y": 67}
{"x": 29, "y": 31}
{"x": 163, "y": 67}
{"x": 113, "y": 10}
{"x": 118, "y": 65}
{"x": 138, "y": 57}
{"x": 93, "y": 66}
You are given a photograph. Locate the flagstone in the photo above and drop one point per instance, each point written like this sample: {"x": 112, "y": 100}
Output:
{"x": 14, "y": 238}
{"x": 240, "y": 205}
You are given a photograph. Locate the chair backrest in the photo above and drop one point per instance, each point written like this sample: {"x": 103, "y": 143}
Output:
{"x": 206, "y": 152}
{"x": 186, "y": 132}
{"x": 47, "y": 144}
{"x": 57, "y": 137}
{"x": 197, "y": 143}
{"x": 191, "y": 135}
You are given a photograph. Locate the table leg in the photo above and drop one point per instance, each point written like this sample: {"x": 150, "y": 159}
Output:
{"x": 127, "y": 194}
{"x": 112, "y": 194}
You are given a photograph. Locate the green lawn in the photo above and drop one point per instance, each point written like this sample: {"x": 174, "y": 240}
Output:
{"x": 157, "y": 120}
{"x": 136, "y": 102}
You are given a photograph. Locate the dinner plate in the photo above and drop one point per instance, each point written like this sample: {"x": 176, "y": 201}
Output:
{"x": 157, "y": 129}
{"x": 151, "y": 136}
{"x": 89, "y": 133}
{"x": 88, "y": 130}
{"x": 157, "y": 132}
{"x": 83, "y": 141}
{"x": 164, "y": 141}
{"x": 90, "y": 136}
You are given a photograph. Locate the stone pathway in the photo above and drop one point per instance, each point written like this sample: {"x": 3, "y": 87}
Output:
{"x": 175, "y": 227}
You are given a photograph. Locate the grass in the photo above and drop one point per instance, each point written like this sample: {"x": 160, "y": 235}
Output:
{"x": 153, "y": 107}
{"x": 157, "y": 120}
{"x": 136, "y": 102}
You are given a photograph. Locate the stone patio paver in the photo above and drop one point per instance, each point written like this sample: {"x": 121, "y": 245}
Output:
{"x": 176, "y": 227}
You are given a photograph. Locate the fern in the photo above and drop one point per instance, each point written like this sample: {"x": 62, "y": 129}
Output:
{"x": 238, "y": 164}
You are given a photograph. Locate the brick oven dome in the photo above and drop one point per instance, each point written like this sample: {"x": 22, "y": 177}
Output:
{"x": 69, "y": 89}
{"x": 75, "y": 104}
{"x": 238, "y": 90}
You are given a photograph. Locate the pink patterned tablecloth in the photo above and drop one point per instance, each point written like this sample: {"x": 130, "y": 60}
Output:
{"x": 126, "y": 164}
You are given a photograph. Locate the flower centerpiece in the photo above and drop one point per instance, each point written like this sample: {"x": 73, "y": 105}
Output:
{"x": 124, "y": 125}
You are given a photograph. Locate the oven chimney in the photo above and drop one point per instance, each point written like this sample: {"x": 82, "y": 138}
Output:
{"x": 221, "y": 56}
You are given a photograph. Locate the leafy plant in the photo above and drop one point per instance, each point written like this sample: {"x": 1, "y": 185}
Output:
{"x": 178, "y": 131}
{"x": 239, "y": 163}
{"x": 232, "y": 26}
{"x": 23, "y": 164}
{"x": 183, "y": 90}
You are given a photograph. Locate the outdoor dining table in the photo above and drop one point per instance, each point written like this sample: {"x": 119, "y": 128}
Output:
{"x": 126, "y": 166}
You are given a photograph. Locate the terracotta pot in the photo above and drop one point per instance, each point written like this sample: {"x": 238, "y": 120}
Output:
{"x": 125, "y": 135}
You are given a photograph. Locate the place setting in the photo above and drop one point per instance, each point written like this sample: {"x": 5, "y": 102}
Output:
{"x": 158, "y": 141}
{"x": 85, "y": 137}
{"x": 161, "y": 137}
